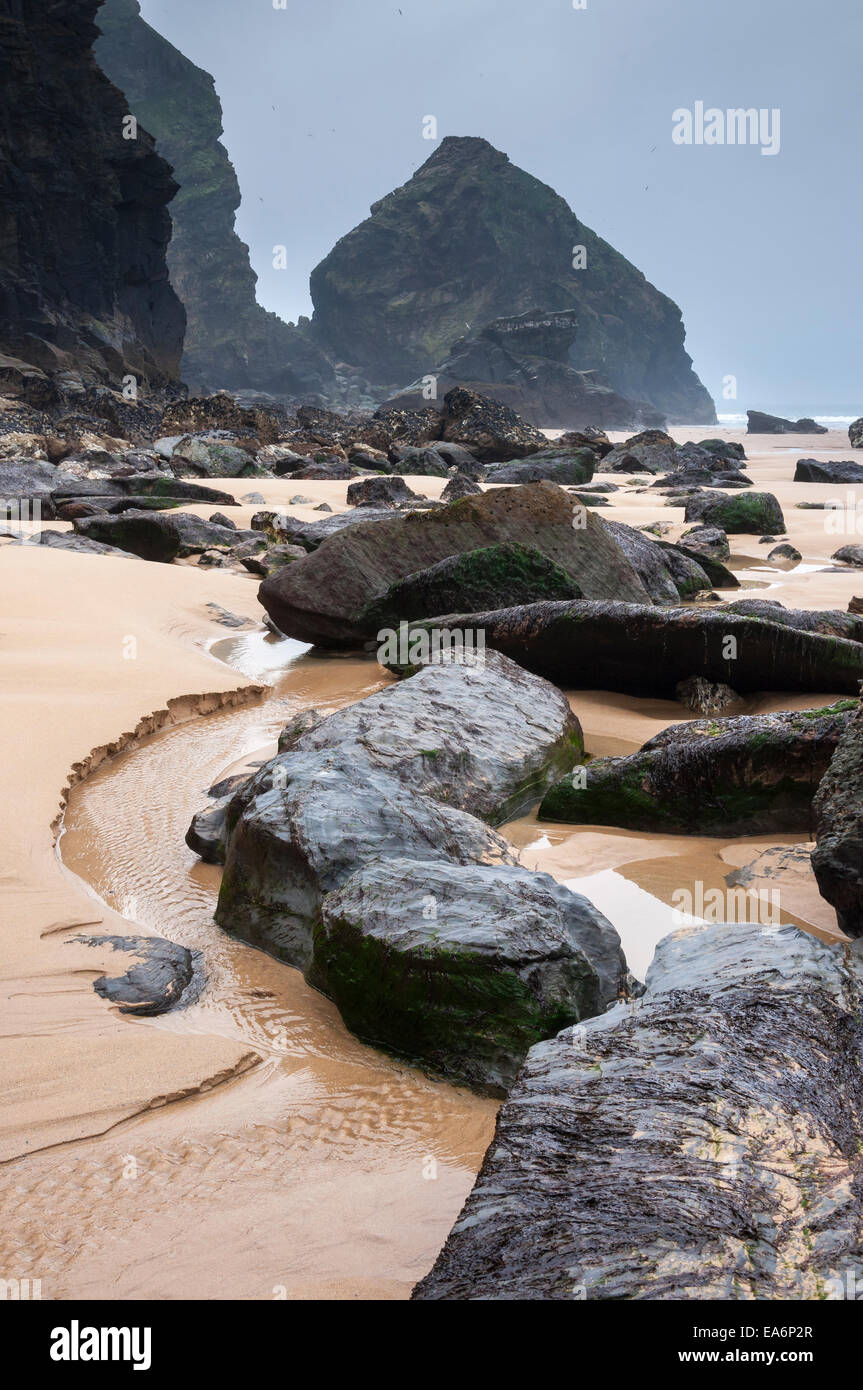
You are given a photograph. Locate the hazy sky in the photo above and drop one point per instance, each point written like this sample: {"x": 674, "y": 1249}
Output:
{"x": 762, "y": 253}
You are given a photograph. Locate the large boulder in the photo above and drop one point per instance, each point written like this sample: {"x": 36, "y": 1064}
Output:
{"x": 460, "y": 485}
{"x": 828, "y": 471}
{"x": 700, "y": 1145}
{"x": 667, "y": 573}
{"x": 307, "y": 821}
{"x": 838, "y": 857}
{"x": 756, "y": 514}
{"x": 708, "y": 541}
{"x": 759, "y": 423}
{"x": 745, "y": 775}
{"x": 651, "y": 451}
{"x": 381, "y": 492}
{"x": 326, "y": 470}
{"x": 319, "y": 599}
{"x": 557, "y": 466}
{"x": 855, "y": 434}
{"x": 498, "y": 576}
{"x": 464, "y": 967}
{"x": 433, "y": 731}
{"x": 157, "y": 536}
{"x": 649, "y": 650}
{"x": 213, "y": 458}
{"x": 401, "y": 774}
{"x": 424, "y": 463}
{"x": 26, "y": 483}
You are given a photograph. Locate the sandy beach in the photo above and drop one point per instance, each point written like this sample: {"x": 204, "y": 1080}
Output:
{"x": 248, "y": 1146}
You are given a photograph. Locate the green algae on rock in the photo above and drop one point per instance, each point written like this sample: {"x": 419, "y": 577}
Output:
{"x": 743, "y": 775}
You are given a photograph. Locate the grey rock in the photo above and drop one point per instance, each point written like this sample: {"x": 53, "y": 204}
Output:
{"x": 665, "y": 1150}
{"x": 154, "y": 980}
{"x": 830, "y": 621}
{"x": 824, "y": 471}
{"x": 838, "y": 856}
{"x": 161, "y": 537}
{"x": 649, "y": 650}
{"x": 850, "y": 555}
{"x": 379, "y": 492}
{"x": 463, "y": 967}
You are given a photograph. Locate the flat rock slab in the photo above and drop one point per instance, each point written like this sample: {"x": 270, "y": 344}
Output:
{"x": 704, "y": 1142}
{"x": 648, "y": 651}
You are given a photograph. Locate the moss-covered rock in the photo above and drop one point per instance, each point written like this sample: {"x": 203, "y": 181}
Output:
{"x": 494, "y": 577}
{"x": 649, "y": 650}
{"x": 745, "y": 775}
{"x": 751, "y": 513}
{"x": 462, "y": 968}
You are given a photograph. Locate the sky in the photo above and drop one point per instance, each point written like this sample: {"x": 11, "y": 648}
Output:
{"x": 324, "y": 104}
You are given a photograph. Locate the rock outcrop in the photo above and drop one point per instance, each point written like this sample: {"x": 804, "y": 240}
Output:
{"x": 745, "y": 775}
{"x": 231, "y": 341}
{"x": 838, "y": 856}
{"x": 84, "y": 283}
{"x": 701, "y": 1143}
{"x": 319, "y": 599}
{"x": 523, "y": 362}
{"x": 471, "y": 239}
{"x": 649, "y": 651}
{"x": 759, "y": 423}
{"x": 828, "y": 471}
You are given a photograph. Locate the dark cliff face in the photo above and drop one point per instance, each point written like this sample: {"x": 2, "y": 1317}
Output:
{"x": 471, "y": 238}
{"x": 83, "y": 212}
{"x": 231, "y": 341}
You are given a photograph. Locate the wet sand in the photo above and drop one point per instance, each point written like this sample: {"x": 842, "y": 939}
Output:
{"x": 317, "y": 1167}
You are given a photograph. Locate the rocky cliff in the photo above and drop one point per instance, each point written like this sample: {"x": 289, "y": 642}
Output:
{"x": 232, "y": 342}
{"x": 471, "y": 238}
{"x": 83, "y": 211}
